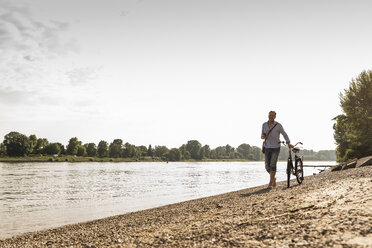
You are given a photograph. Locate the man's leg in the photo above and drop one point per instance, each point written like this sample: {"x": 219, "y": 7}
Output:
{"x": 268, "y": 162}
{"x": 267, "y": 159}
{"x": 274, "y": 160}
{"x": 272, "y": 178}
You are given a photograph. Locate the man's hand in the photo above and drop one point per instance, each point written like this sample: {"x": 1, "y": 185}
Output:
{"x": 290, "y": 145}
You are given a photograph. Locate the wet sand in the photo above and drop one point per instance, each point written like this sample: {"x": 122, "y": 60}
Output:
{"x": 331, "y": 209}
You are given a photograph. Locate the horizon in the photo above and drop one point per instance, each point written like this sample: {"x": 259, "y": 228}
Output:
{"x": 166, "y": 72}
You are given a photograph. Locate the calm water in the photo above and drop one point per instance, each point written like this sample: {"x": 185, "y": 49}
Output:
{"x": 36, "y": 196}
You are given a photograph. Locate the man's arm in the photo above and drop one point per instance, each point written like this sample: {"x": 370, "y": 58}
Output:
{"x": 285, "y": 135}
{"x": 263, "y": 134}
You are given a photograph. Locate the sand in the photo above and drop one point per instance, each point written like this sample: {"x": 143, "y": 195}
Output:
{"x": 331, "y": 209}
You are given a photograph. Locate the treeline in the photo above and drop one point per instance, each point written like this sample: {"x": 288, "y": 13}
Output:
{"x": 19, "y": 145}
{"x": 310, "y": 155}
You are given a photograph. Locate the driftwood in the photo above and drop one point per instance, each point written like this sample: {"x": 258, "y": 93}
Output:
{"x": 319, "y": 165}
{"x": 365, "y": 161}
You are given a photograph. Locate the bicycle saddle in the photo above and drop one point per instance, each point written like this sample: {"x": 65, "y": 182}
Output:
{"x": 295, "y": 150}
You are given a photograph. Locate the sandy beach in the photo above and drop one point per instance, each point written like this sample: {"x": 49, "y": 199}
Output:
{"x": 331, "y": 209}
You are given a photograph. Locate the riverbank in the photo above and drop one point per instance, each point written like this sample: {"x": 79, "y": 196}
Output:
{"x": 76, "y": 159}
{"x": 332, "y": 209}
{"x": 73, "y": 159}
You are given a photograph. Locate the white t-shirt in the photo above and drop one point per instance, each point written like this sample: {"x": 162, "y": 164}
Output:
{"x": 273, "y": 140}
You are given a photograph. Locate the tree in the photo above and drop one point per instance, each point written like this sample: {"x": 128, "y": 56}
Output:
{"x": 183, "y": 151}
{"x": 2, "y": 149}
{"x": 353, "y": 129}
{"x": 91, "y": 149}
{"x": 150, "y": 151}
{"x": 220, "y": 152}
{"x": 16, "y": 144}
{"x": 205, "y": 152}
{"x": 193, "y": 147}
{"x": 81, "y": 151}
{"x": 41, "y": 143}
{"x": 73, "y": 146}
{"x": 142, "y": 150}
{"x": 213, "y": 154}
{"x": 186, "y": 155}
{"x": 52, "y": 148}
{"x": 257, "y": 154}
{"x": 161, "y": 152}
{"x": 230, "y": 151}
{"x": 62, "y": 148}
{"x": 137, "y": 152}
{"x": 129, "y": 150}
{"x": 115, "y": 149}
{"x": 33, "y": 142}
{"x": 174, "y": 154}
{"x": 244, "y": 150}
{"x": 102, "y": 149}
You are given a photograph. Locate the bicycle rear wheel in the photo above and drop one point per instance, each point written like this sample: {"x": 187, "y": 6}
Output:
{"x": 299, "y": 170}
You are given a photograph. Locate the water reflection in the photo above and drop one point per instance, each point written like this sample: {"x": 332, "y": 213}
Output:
{"x": 37, "y": 196}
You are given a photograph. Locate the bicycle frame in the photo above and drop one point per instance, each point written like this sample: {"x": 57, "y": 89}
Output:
{"x": 296, "y": 170}
{"x": 290, "y": 161}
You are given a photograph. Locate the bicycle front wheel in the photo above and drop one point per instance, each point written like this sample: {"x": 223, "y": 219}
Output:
{"x": 299, "y": 170}
{"x": 289, "y": 168}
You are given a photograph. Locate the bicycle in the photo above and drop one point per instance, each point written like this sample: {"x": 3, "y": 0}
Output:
{"x": 298, "y": 169}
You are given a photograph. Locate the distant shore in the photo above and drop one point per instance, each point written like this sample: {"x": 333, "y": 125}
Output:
{"x": 331, "y": 209}
{"x": 104, "y": 159}
{"x": 76, "y": 159}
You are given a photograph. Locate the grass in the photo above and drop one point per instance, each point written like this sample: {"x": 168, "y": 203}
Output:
{"x": 65, "y": 158}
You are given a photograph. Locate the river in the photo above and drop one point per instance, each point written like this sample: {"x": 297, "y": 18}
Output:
{"x": 37, "y": 196}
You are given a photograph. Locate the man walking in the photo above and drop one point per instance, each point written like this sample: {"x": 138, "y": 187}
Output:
{"x": 271, "y": 131}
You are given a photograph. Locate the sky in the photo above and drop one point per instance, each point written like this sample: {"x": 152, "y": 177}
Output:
{"x": 167, "y": 71}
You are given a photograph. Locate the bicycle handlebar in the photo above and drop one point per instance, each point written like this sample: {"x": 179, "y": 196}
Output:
{"x": 298, "y": 143}
{"x": 284, "y": 143}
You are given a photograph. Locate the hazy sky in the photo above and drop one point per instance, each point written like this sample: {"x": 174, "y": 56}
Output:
{"x": 165, "y": 72}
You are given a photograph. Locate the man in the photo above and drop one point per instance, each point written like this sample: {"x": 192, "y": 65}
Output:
{"x": 271, "y": 131}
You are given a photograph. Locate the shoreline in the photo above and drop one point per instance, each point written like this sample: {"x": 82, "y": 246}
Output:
{"x": 330, "y": 209}
{"x": 72, "y": 159}
{"x": 77, "y": 159}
